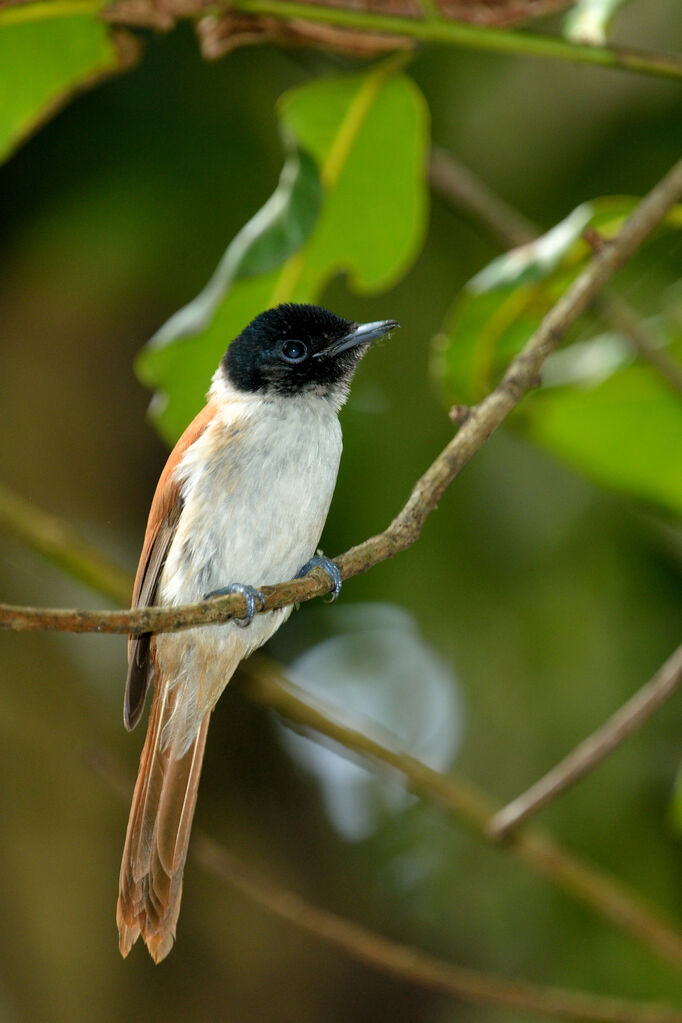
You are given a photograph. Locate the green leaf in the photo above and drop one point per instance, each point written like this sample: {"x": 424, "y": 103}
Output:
{"x": 500, "y": 308}
{"x": 625, "y": 433}
{"x": 45, "y": 56}
{"x": 675, "y": 814}
{"x": 353, "y": 200}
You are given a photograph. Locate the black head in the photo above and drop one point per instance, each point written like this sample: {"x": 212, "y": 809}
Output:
{"x": 295, "y": 348}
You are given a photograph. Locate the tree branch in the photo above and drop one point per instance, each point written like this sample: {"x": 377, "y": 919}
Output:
{"x": 626, "y": 720}
{"x": 453, "y": 33}
{"x": 459, "y": 186}
{"x": 522, "y": 374}
{"x": 405, "y": 963}
{"x": 61, "y": 545}
{"x": 454, "y": 794}
{"x": 432, "y": 29}
{"x": 466, "y": 802}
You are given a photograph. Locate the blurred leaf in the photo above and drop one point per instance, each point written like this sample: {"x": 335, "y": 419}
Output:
{"x": 44, "y": 61}
{"x": 364, "y": 136}
{"x": 500, "y": 308}
{"x": 625, "y": 433}
{"x": 589, "y": 20}
{"x": 617, "y": 422}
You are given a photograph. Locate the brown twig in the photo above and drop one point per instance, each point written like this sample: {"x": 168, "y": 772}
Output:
{"x": 407, "y": 964}
{"x": 591, "y": 751}
{"x": 465, "y": 190}
{"x": 61, "y": 545}
{"x": 484, "y": 418}
{"x": 464, "y": 801}
{"x": 459, "y": 797}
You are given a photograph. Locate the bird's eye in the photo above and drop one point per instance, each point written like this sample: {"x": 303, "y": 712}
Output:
{"x": 294, "y": 351}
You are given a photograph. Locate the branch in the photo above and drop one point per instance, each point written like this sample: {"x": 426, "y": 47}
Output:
{"x": 453, "y": 33}
{"x": 405, "y": 963}
{"x": 431, "y": 29}
{"x": 467, "y": 803}
{"x": 631, "y": 716}
{"x": 452, "y": 793}
{"x": 61, "y": 545}
{"x": 522, "y": 374}
{"x": 463, "y": 189}
{"x": 460, "y": 187}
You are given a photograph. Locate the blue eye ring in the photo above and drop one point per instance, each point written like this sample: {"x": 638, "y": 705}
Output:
{"x": 294, "y": 351}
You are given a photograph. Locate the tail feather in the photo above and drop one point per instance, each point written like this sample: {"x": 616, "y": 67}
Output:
{"x": 150, "y": 887}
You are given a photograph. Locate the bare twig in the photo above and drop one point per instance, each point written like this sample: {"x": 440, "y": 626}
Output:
{"x": 407, "y": 964}
{"x": 468, "y": 803}
{"x": 627, "y": 719}
{"x": 413, "y": 966}
{"x": 465, "y": 190}
{"x": 522, "y": 374}
{"x": 60, "y": 544}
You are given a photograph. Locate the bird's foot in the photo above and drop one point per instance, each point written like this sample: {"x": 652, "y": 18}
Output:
{"x": 250, "y": 594}
{"x": 328, "y": 566}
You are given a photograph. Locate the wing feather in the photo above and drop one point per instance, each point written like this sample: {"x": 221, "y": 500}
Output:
{"x": 164, "y": 516}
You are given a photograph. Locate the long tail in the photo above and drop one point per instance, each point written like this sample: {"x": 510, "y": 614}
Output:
{"x": 150, "y": 886}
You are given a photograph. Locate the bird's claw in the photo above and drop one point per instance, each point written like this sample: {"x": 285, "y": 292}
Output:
{"x": 328, "y": 566}
{"x": 250, "y": 595}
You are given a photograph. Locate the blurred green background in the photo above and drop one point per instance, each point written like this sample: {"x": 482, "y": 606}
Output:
{"x": 545, "y": 600}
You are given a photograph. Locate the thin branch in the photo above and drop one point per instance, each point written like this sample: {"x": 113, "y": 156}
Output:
{"x": 61, "y": 545}
{"x": 429, "y": 29}
{"x": 467, "y": 803}
{"x": 454, "y": 182}
{"x": 522, "y": 374}
{"x": 453, "y": 33}
{"x": 413, "y": 966}
{"x": 452, "y": 793}
{"x": 403, "y": 962}
{"x": 626, "y": 720}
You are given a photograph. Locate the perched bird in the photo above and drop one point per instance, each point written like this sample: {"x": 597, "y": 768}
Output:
{"x": 241, "y": 501}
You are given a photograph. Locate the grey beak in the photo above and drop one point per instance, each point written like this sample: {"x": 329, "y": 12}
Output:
{"x": 360, "y": 335}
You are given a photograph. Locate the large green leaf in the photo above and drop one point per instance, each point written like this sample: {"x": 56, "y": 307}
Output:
{"x": 625, "y": 433}
{"x": 44, "y": 57}
{"x": 362, "y": 138}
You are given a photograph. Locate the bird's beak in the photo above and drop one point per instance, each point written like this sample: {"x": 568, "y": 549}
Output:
{"x": 360, "y": 335}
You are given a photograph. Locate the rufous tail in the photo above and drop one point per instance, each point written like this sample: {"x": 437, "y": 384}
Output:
{"x": 150, "y": 886}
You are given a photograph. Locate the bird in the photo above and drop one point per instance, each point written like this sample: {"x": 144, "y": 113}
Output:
{"x": 241, "y": 502}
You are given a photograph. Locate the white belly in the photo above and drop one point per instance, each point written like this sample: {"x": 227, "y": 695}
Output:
{"x": 254, "y": 504}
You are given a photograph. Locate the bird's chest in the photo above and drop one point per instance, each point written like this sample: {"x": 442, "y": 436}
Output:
{"x": 255, "y": 498}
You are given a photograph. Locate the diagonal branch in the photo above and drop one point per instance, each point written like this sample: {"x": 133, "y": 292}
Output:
{"x": 522, "y": 374}
{"x": 453, "y": 33}
{"x": 459, "y": 186}
{"x": 469, "y": 804}
{"x": 404, "y": 962}
{"x": 591, "y": 751}
{"x": 452, "y": 793}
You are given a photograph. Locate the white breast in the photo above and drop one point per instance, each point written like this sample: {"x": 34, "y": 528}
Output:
{"x": 256, "y": 488}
